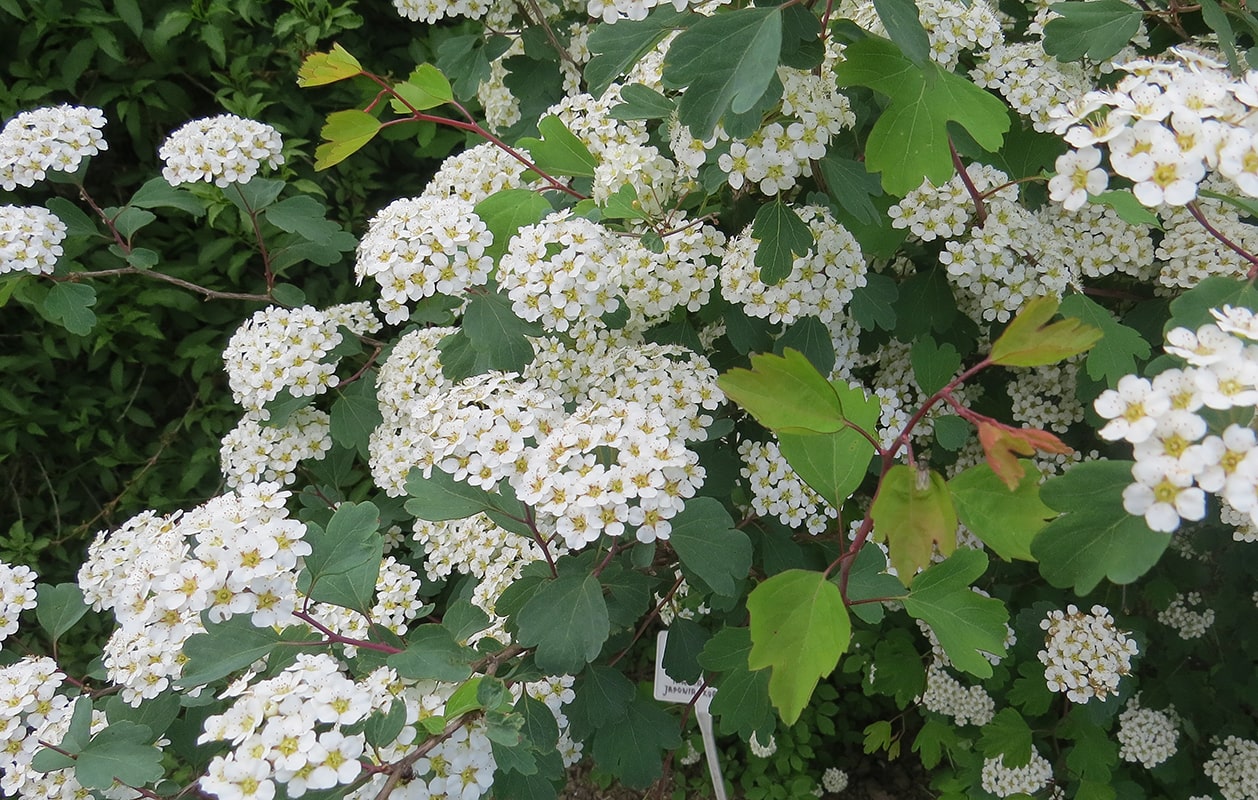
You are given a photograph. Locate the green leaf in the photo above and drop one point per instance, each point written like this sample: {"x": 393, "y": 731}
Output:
{"x": 323, "y": 68}
{"x": 505, "y": 212}
{"x": 467, "y": 59}
{"x": 1094, "y": 537}
{"x": 1096, "y": 29}
{"x": 119, "y": 752}
{"x": 810, "y": 336}
{"x": 496, "y": 334}
{"x": 304, "y": 216}
{"x": 1127, "y": 207}
{"x": 463, "y": 619}
{"x": 432, "y": 654}
{"x": 951, "y": 432}
{"x": 725, "y": 62}
{"x": 785, "y": 394}
{"x": 909, "y": 141}
{"x": 781, "y": 237}
{"x": 904, "y": 27}
{"x": 1120, "y": 346}
{"x": 686, "y": 639}
{"x": 851, "y": 186}
{"x": 1192, "y": 308}
{"x": 130, "y": 220}
{"x": 1007, "y": 737}
{"x": 156, "y": 713}
{"x": 1029, "y": 692}
{"x": 708, "y": 545}
{"x": 255, "y": 195}
{"x": 933, "y": 739}
{"x": 742, "y": 696}
{"x": 426, "y": 88}
{"x": 129, "y": 12}
{"x": 835, "y": 464}
{"x": 224, "y": 648}
{"x": 616, "y": 48}
{"x": 76, "y": 221}
{"x": 1032, "y": 341}
{"x": 913, "y": 514}
{"x": 345, "y": 133}
{"x": 344, "y": 562}
{"x": 924, "y": 303}
{"x": 966, "y": 623}
{"x": 70, "y": 306}
{"x": 601, "y": 697}
{"x": 1005, "y": 520}
{"x": 567, "y": 621}
{"x": 873, "y": 305}
{"x": 869, "y": 580}
{"x": 933, "y": 364}
{"x": 799, "y": 628}
{"x": 897, "y": 667}
{"x": 631, "y": 750}
{"x": 1213, "y": 15}
{"x": 59, "y": 607}
{"x": 288, "y": 295}
{"x": 558, "y": 152}
{"x": 641, "y": 102}
{"x": 355, "y": 414}
{"x": 384, "y": 727}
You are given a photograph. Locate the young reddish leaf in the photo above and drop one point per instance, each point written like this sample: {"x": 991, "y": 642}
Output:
{"x": 323, "y": 68}
{"x": 913, "y": 514}
{"x": 344, "y": 134}
{"x": 1003, "y": 444}
{"x": 1032, "y": 341}
{"x": 799, "y": 627}
{"x": 785, "y": 394}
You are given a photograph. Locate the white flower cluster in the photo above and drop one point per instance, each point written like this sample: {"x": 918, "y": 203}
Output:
{"x": 254, "y": 451}
{"x": 966, "y": 705}
{"x": 762, "y": 750}
{"x": 417, "y": 247}
{"x": 1233, "y": 766}
{"x": 236, "y": 554}
{"x": 773, "y": 159}
{"x": 281, "y": 348}
{"x": 289, "y": 730}
{"x": 677, "y": 382}
{"x": 834, "y": 780}
{"x": 609, "y": 467}
{"x": 1147, "y": 737}
{"x": 397, "y": 602}
{"x": 1183, "y": 615}
{"x": 1189, "y": 253}
{"x": 1177, "y": 457}
{"x": 820, "y": 283}
{"x": 431, "y": 11}
{"x": 952, "y": 26}
{"x": 56, "y": 138}
{"x": 1045, "y": 397}
{"x": 1164, "y": 127}
{"x": 31, "y": 713}
{"x": 475, "y": 174}
{"x": 778, "y": 491}
{"x": 1084, "y": 655}
{"x": 30, "y": 239}
{"x": 1031, "y": 81}
{"x": 17, "y": 593}
{"x": 1004, "y": 781}
{"x": 652, "y": 176}
{"x": 555, "y": 691}
{"x": 612, "y": 10}
{"x": 225, "y": 149}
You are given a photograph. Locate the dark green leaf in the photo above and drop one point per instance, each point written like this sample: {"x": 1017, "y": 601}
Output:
{"x": 708, "y": 544}
{"x": 157, "y": 193}
{"x": 224, "y": 648}
{"x": 900, "y": 19}
{"x": 897, "y": 668}
{"x": 811, "y": 337}
{"x": 725, "y": 62}
{"x": 851, "y": 186}
{"x": 631, "y": 749}
{"x": 601, "y": 697}
{"x": 355, "y": 414}
{"x": 156, "y": 713}
{"x": 873, "y": 305}
{"x": 742, "y": 696}
{"x": 344, "y": 562}
{"x": 951, "y": 432}
{"x": 616, "y": 48}
{"x": 641, "y": 102}
{"x": 130, "y": 220}
{"x": 966, "y": 624}
{"x": 497, "y": 334}
{"x": 558, "y": 152}
{"x": 505, "y": 212}
{"x": 384, "y": 727}
{"x": 686, "y": 640}
{"x": 933, "y": 364}
{"x": 1128, "y": 208}
{"x": 441, "y": 497}
{"x": 566, "y": 620}
{"x": 59, "y": 607}
{"x": 1007, "y": 737}
{"x": 925, "y": 303}
{"x": 432, "y": 654}
{"x": 1120, "y": 346}
{"x": 77, "y": 223}
{"x": 781, "y": 237}
{"x": 303, "y": 216}
{"x": 70, "y": 306}
{"x": 1096, "y": 29}
{"x": 868, "y": 580}
{"x": 120, "y": 752}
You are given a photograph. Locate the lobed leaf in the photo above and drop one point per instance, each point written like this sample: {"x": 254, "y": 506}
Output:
{"x": 320, "y": 69}
{"x": 709, "y": 546}
{"x": 966, "y": 623}
{"x": 835, "y": 464}
{"x": 913, "y": 514}
{"x": 781, "y": 237}
{"x": 785, "y": 394}
{"x": 1031, "y": 340}
{"x": 1097, "y": 29}
{"x": 1006, "y": 519}
{"x": 345, "y": 133}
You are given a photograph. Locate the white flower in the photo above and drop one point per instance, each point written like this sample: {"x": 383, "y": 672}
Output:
{"x": 1132, "y": 408}
{"x": 1163, "y": 494}
{"x": 1077, "y": 177}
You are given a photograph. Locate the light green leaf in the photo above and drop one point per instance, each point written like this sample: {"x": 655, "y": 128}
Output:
{"x": 345, "y": 133}
{"x": 566, "y": 619}
{"x": 59, "y": 607}
{"x": 785, "y": 394}
{"x": 913, "y": 514}
{"x": 1115, "y": 355}
{"x": 70, "y": 306}
{"x": 1096, "y": 29}
{"x": 432, "y": 654}
{"x": 781, "y": 237}
{"x": 835, "y": 464}
{"x": 966, "y": 623}
{"x": 1032, "y": 341}
{"x": 322, "y": 68}
{"x": 708, "y": 544}
{"x": 426, "y": 88}
{"x": 725, "y": 62}
{"x": 558, "y": 152}
{"x": 1005, "y": 520}
{"x": 1094, "y": 537}
{"x": 799, "y": 628}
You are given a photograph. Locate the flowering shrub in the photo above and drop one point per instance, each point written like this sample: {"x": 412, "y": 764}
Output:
{"x": 854, "y": 345}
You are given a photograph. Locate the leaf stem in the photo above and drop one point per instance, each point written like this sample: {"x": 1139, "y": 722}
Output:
{"x": 1195, "y": 210}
